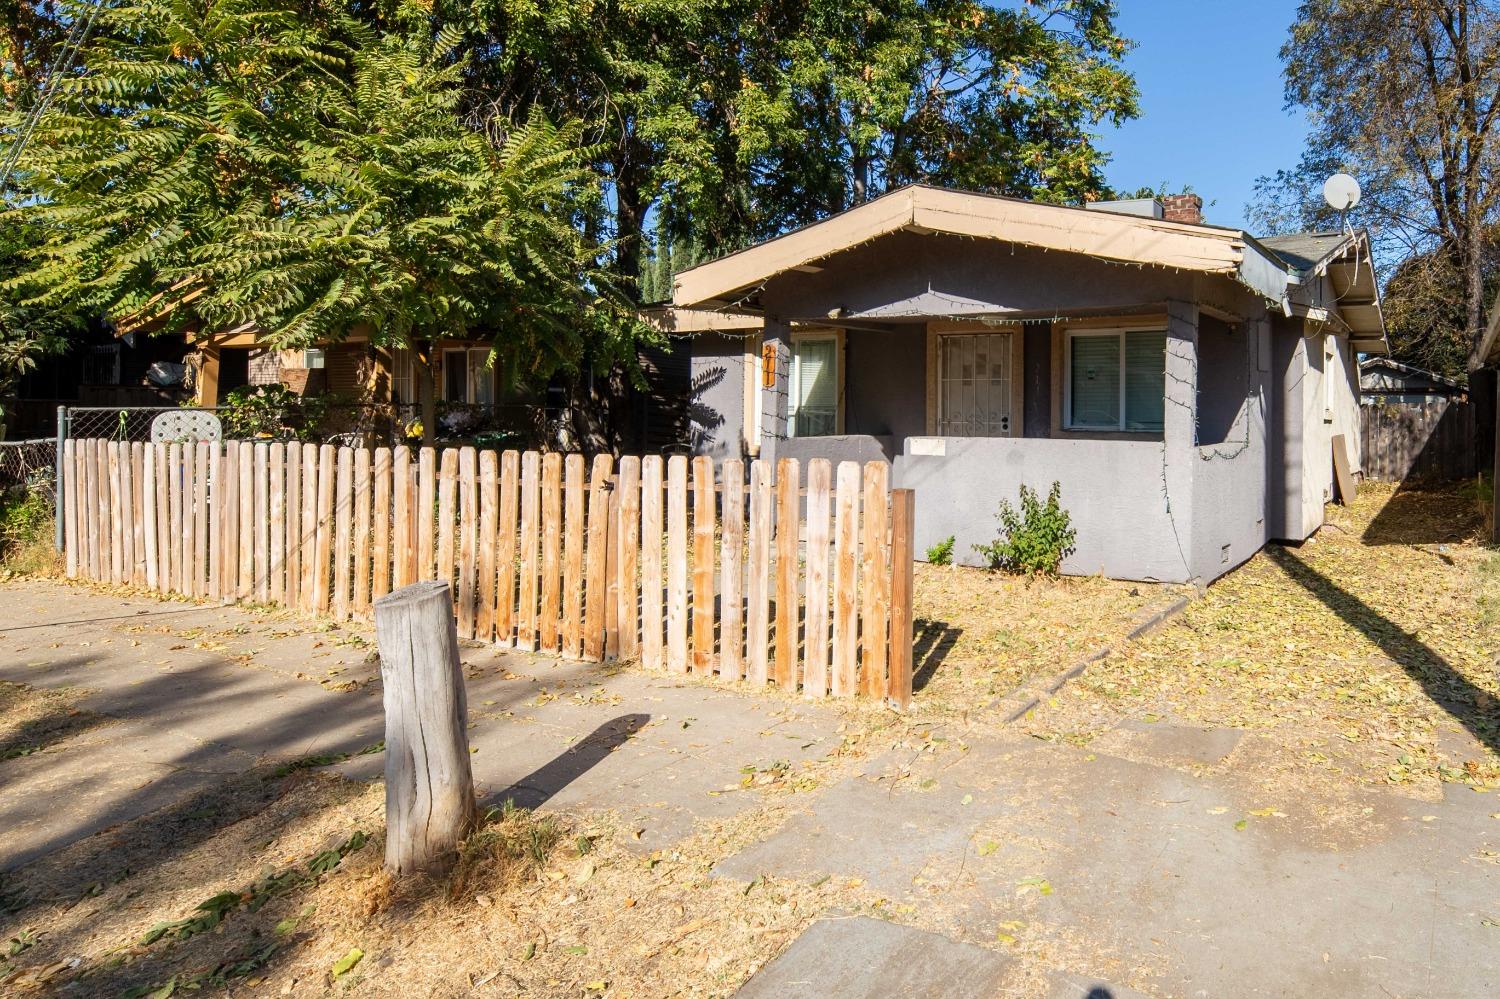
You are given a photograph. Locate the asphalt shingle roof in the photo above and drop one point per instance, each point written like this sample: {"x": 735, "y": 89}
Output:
{"x": 1303, "y": 250}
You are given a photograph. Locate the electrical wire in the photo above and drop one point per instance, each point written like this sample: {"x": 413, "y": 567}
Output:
{"x": 61, "y": 63}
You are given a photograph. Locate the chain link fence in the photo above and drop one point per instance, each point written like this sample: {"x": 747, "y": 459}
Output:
{"x": 357, "y": 424}
{"x": 27, "y": 463}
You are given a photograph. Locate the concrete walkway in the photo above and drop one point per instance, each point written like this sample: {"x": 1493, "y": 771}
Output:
{"x": 1175, "y": 875}
{"x": 192, "y": 694}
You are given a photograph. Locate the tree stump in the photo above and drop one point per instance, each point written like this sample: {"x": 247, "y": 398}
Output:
{"x": 429, "y": 786}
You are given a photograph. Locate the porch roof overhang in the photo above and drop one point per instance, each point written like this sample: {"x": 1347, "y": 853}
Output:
{"x": 685, "y": 322}
{"x": 727, "y": 283}
{"x": 1350, "y": 302}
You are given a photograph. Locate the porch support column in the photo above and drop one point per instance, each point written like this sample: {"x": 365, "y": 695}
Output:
{"x": 208, "y": 375}
{"x": 775, "y": 390}
{"x": 750, "y": 396}
{"x": 1180, "y": 426}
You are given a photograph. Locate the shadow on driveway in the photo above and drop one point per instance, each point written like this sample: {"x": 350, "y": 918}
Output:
{"x": 1447, "y": 688}
{"x": 542, "y": 784}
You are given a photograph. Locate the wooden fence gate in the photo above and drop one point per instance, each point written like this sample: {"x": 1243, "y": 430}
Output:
{"x": 1433, "y": 440}
{"x": 756, "y": 579}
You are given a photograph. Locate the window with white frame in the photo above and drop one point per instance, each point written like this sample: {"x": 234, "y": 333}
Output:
{"x": 1115, "y": 380}
{"x": 974, "y": 385}
{"x": 815, "y": 385}
{"x": 467, "y": 376}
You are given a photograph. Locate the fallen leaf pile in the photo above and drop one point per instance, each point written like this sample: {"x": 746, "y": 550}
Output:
{"x": 1368, "y": 651}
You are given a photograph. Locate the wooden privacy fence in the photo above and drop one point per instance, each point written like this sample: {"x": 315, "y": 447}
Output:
{"x": 1433, "y": 440}
{"x": 756, "y": 579}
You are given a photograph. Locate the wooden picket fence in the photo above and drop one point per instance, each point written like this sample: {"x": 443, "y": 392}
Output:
{"x": 1435, "y": 440}
{"x": 756, "y": 579}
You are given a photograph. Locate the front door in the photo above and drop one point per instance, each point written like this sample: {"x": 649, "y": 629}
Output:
{"x": 974, "y": 385}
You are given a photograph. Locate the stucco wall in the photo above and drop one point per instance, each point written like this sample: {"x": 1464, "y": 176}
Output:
{"x": 845, "y": 447}
{"x": 1105, "y": 486}
{"x": 1223, "y": 381}
{"x": 1230, "y": 470}
{"x": 885, "y": 382}
{"x": 716, "y": 412}
{"x": 1315, "y": 393}
{"x": 1344, "y": 401}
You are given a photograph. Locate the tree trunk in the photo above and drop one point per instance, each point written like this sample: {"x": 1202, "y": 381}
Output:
{"x": 426, "y": 391}
{"x": 629, "y": 218}
{"x": 1474, "y": 289}
{"x": 429, "y": 786}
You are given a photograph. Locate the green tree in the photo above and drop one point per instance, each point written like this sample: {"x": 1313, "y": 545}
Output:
{"x": 734, "y": 120}
{"x": 227, "y": 164}
{"x": 1405, "y": 94}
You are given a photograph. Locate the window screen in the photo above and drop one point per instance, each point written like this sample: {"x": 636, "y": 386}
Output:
{"x": 1145, "y": 379}
{"x": 815, "y": 394}
{"x": 1096, "y": 382}
{"x": 974, "y": 385}
{"x": 1117, "y": 381}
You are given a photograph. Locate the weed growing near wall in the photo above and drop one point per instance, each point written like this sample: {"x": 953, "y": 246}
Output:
{"x": 1034, "y": 539}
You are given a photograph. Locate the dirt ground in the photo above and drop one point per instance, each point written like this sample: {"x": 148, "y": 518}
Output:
{"x": 1363, "y": 660}
{"x": 1370, "y": 654}
{"x": 980, "y": 635}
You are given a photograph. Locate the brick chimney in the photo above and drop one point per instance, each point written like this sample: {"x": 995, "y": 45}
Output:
{"x": 1182, "y": 208}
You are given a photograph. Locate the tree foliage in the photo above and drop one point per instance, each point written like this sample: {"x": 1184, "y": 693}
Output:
{"x": 290, "y": 168}
{"x": 734, "y": 120}
{"x": 1405, "y": 94}
{"x": 518, "y": 169}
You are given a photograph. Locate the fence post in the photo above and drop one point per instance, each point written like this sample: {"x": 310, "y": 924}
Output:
{"x": 903, "y": 523}
{"x": 57, "y": 479}
{"x": 429, "y": 785}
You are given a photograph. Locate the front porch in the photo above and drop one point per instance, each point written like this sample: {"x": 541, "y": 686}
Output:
{"x": 1115, "y": 408}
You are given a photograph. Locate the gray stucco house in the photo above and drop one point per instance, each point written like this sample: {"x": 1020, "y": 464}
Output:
{"x": 1183, "y": 382}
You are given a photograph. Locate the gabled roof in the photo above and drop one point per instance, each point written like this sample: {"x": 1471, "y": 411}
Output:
{"x": 1391, "y": 364}
{"x": 1303, "y": 251}
{"x": 1104, "y": 235}
{"x": 1344, "y": 258}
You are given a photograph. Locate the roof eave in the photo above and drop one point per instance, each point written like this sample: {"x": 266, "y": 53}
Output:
{"x": 1116, "y": 238}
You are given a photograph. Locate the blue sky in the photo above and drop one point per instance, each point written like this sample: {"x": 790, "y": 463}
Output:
{"x": 1211, "y": 100}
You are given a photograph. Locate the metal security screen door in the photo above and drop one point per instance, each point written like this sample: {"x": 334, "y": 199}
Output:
{"x": 974, "y": 385}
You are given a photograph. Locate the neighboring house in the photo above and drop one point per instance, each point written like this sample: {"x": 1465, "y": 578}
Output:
{"x": 1386, "y": 381}
{"x": 354, "y": 369}
{"x": 1183, "y": 382}
{"x": 97, "y": 368}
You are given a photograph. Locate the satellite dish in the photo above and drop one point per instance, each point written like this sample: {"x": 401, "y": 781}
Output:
{"x": 1341, "y": 191}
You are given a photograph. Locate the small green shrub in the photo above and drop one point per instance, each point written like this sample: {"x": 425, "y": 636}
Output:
{"x": 942, "y": 552}
{"x": 1033, "y": 540}
{"x": 26, "y": 532}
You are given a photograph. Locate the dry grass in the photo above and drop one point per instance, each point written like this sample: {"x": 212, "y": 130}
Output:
{"x": 31, "y": 722}
{"x": 981, "y": 634}
{"x": 1368, "y": 653}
